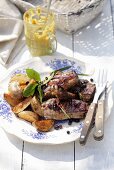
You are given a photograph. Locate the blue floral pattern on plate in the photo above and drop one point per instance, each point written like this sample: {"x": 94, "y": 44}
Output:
{"x": 7, "y": 115}
{"x": 57, "y": 64}
{"x": 19, "y": 71}
{"x": 5, "y": 111}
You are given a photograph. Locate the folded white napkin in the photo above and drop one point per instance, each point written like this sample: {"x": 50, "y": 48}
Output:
{"x": 10, "y": 30}
{"x": 11, "y": 27}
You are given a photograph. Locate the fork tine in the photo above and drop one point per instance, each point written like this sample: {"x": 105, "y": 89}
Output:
{"x": 106, "y": 75}
{"x": 98, "y": 78}
{"x": 102, "y": 77}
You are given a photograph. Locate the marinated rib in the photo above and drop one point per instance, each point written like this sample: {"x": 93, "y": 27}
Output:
{"x": 65, "y": 80}
{"x": 88, "y": 92}
{"x": 85, "y": 90}
{"x": 58, "y": 93}
{"x": 58, "y": 86}
{"x": 54, "y": 109}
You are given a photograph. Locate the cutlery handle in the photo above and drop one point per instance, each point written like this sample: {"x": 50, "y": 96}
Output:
{"x": 88, "y": 122}
{"x": 99, "y": 121}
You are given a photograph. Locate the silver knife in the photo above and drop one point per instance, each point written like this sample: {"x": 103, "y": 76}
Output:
{"x": 98, "y": 133}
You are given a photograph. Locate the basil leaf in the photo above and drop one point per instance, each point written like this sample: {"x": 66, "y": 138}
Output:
{"x": 32, "y": 74}
{"x": 61, "y": 69}
{"x": 40, "y": 93}
{"x": 30, "y": 90}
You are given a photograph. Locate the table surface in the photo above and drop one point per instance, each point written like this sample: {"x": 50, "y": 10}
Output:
{"x": 96, "y": 43}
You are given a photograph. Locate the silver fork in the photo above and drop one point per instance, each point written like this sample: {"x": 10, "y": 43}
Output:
{"x": 98, "y": 133}
{"x": 88, "y": 122}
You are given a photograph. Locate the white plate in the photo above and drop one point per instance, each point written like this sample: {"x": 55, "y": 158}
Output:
{"x": 25, "y": 130}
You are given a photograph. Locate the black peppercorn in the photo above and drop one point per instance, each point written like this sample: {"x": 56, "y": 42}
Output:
{"x": 46, "y": 78}
{"x": 68, "y": 132}
{"x": 91, "y": 80}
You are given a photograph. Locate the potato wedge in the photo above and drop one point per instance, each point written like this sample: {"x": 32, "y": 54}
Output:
{"x": 28, "y": 116}
{"x": 21, "y": 78}
{"x": 11, "y": 99}
{"x": 36, "y": 106}
{"x": 22, "y": 106}
{"x": 43, "y": 125}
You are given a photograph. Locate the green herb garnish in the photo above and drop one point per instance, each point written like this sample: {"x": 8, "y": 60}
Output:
{"x": 40, "y": 93}
{"x": 48, "y": 79}
{"x": 64, "y": 112}
{"x": 61, "y": 69}
{"x": 53, "y": 73}
{"x": 80, "y": 96}
{"x": 32, "y": 74}
{"x": 82, "y": 74}
{"x": 30, "y": 90}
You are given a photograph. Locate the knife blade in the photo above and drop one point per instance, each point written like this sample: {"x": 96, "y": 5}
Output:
{"x": 98, "y": 133}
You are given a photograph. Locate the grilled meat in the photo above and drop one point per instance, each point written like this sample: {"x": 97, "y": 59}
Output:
{"x": 84, "y": 90}
{"x": 65, "y": 80}
{"x": 88, "y": 92}
{"x": 60, "y": 93}
{"x": 58, "y": 86}
{"x": 54, "y": 109}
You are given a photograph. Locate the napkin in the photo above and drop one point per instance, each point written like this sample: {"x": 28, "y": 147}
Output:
{"x": 11, "y": 27}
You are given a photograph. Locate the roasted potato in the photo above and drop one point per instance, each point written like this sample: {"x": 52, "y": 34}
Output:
{"x": 17, "y": 84}
{"x": 22, "y": 106}
{"x": 15, "y": 89}
{"x": 28, "y": 116}
{"x": 43, "y": 125}
{"x": 21, "y": 78}
{"x": 36, "y": 105}
{"x": 11, "y": 99}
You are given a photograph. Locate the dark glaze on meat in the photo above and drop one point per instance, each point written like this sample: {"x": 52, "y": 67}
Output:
{"x": 58, "y": 86}
{"x": 88, "y": 92}
{"x": 84, "y": 90}
{"x": 64, "y": 80}
{"x": 58, "y": 93}
{"x": 51, "y": 109}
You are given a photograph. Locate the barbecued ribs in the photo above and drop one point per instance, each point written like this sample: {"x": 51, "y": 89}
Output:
{"x": 67, "y": 96}
{"x": 85, "y": 90}
{"x": 88, "y": 92}
{"x": 54, "y": 109}
{"x": 59, "y": 85}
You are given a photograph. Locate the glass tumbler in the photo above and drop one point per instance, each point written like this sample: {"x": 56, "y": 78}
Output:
{"x": 39, "y": 27}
